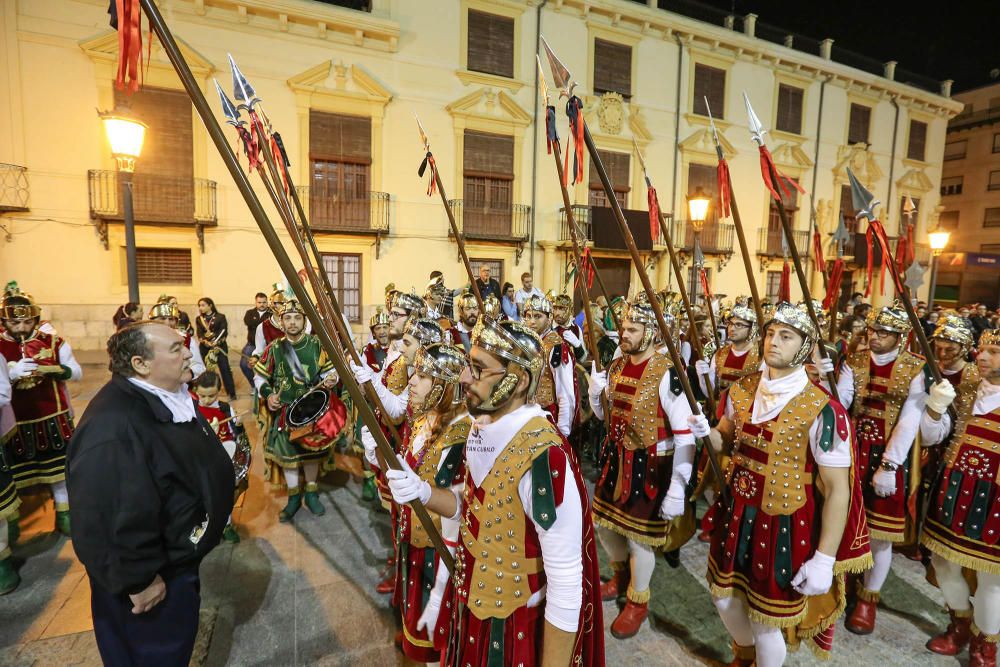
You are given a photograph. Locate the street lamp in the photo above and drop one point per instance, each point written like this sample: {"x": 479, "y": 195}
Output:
{"x": 697, "y": 212}
{"x": 938, "y": 239}
{"x": 126, "y": 134}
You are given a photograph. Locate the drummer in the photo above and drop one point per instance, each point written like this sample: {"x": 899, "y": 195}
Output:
{"x": 289, "y": 368}
{"x": 224, "y": 423}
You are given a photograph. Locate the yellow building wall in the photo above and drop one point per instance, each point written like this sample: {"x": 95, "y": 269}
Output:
{"x": 403, "y": 59}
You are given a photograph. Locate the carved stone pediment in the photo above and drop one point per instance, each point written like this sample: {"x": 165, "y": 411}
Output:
{"x": 700, "y": 143}
{"x": 490, "y": 104}
{"x": 860, "y": 161}
{"x": 915, "y": 180}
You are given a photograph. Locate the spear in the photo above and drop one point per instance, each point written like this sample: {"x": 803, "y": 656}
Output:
{"x": 270, "y": 235}
{"x": 656, "y": 213}
{"x": 564, "y": 81}
{"x": 774, "y": 181}
{"x": 436, "y": 184}
{"x": 727, "y": 205}
{"x": 839, "y": 239}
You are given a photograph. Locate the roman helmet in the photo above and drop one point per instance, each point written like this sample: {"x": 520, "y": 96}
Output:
{"x": 164, "y": 310}
{"x": 466, "y": 300}
{"x": 409, "y": 302}
{"x": 18, "y": 305}
{"x": 435, "y": 288}
{"x": 640, "y": 312}
{"x": 818, "y": 309}
{"x": 380, "y": 317}
{"x": 539, "y": 303}
{"x": 890, "y": 318}
{"x": 742, "y": 310}
{"x": 426, "y": 331}
{"x": 796, "y": 317}
{"x": 492, "y": 306}
{"x": 953, "y": 328}
{"x": 564, "y": 300}
{"x": 989, "y": 337}
{"x": 519, "y": 346}
{"x": 617, "y": 307}
{"x": 444, "y": 363}
{"x": 276, "y": 299}
{"x": 290, "y": 306}
{"x": 390, "y": 295}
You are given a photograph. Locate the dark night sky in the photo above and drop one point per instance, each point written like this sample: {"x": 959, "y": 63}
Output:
{"x": 954, "y": 39}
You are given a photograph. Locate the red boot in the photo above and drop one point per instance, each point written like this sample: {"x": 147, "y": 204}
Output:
{"x": 388, "y": 583}
{"x": 743, "y": 656}
{"x": 707, "y": 523}
{"x": 618, "y": 583}
{"x": 982, "y": 653}
{"x": 862, "y": 619}
{"x": 631, "y": 617}
{"x": 954, "y": 639}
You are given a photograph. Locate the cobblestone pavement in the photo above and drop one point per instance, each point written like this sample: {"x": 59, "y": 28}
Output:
{"x": 303, "y": 593}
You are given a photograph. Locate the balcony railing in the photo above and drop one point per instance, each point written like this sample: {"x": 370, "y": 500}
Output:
{"x": 596, "y": 224}
{"x": 716, "y": 237}
{"x": 155, "y": 199}
{"x": 13, "y": 187}
{"x": 769, "y": 242}
{"x": 491, "y": 223}
{"x": 329, "y": 212}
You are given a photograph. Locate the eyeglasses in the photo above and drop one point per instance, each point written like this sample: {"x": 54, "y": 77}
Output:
{"x": 478, "y": 371}
{"x": 395, "y": 314}
{"x": 880, "y": 333}
{"x": 738, "y": 325}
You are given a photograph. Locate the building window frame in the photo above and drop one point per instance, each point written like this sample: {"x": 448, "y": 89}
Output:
{"x": 848, "y": 139}
{"x": 955, "y": 154}
{"x": 910, "y": 138}
{"x": 993, "y": 182}
{"x": 351, "y": 307}
{"x": 498, "y": 8}
{"x": 991, "y": 216}
{"x": 796, "y": 85}
{"x": 996, "y": 142}
{"x": 496, "y": 265}
{"x": 772, "y": 286}
{"x": 952, "y": 185}
{"x": 617, "y": 36}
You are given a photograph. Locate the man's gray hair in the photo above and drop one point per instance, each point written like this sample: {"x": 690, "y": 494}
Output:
{"x": 130, "y": 341}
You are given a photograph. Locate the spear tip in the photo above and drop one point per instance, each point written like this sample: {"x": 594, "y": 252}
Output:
{"x": 560, "y": 74}
{"x": 757, "y": 130}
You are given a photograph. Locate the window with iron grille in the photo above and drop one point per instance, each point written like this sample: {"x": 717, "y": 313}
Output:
{"x": 773, "y": 287}
{"x": 955, "y": 150}
{"x": 789, "y": 117}
{"x": 918, "y": 140}
{"x": 340, "y": 183}
{"x": 847, "y": 209}
{"x": 495, "y": 266}
{"x": 344, "y": 271}
{"x": 612, "y": 68}
{"x": 617, "y": 167}
{"x": 163, "y": 266}
{"x": 791, "y": 201}
{"x": 991, "y": 217}
{"x": 951, "y": 186}
{"x": 490, "y": 44}
{"x": 859, "y": 124}
{"x": 488, "y": 183}
{"x": 709, "y": 82}
{"x": 994, "y": 183}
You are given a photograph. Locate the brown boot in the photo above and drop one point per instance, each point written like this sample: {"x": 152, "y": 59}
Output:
{"x": 743, "y": 656}
{"x": 982, "y": 652}
{"x": 618, "y": 583}
{"x": 862, "y": 619}
{"x": 954, "y": 639}
{"x": 631, "y": 617}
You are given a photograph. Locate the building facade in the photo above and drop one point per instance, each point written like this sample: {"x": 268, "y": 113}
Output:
{"x": 342, "y": 86}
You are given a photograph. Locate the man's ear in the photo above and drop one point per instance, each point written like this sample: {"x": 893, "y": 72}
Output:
{"x": 140, "y": 365}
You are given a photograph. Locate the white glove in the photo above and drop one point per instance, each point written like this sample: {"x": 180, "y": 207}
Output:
{"x": 884, "y": 482}
{"x": 22, "y": 368}
{"x": 368, "y": 442}
{"x": 824, "y": 365}
{"x": 406, "y": 485}
{"x": 673, "y": 504}
{"x": 941, "y": 395}
{"x": 815, "y": 576}
{"x": 428, "y": 619}
{"x": 703, "y": 367}
{"x": 571, "y": 338}
{"x": 699, "y": 425}
{"x": 362, "y": 373}
{"x": 598, "y": 381}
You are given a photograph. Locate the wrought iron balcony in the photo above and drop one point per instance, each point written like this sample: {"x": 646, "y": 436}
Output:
{"x": 13, "y": 188}
{"x": 716, "y": 237}
{"x": 769, "y": 243}
{"x": 367, "y": 213}
{"x": 491, "y": 223}
{"x": 597, "y": 224}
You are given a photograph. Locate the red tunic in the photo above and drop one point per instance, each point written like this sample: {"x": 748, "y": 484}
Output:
{"x": 271, "y": 331}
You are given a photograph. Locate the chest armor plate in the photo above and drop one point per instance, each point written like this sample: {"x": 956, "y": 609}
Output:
{"x": 395, "y": 377}
{"x": 425, "y": 464}
{"x": 731, "y": 367}
{"x": 498, "y": 580}
{"x": 976, "y": 449}
{"x": 880, "y": 393}
{"x": 636, "y": 402}
{"x": 965, "y": 388}
{"x": 772, "y": 463}
{"x": 545, "y": 394}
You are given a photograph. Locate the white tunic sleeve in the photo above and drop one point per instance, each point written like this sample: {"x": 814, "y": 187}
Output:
{"x": 839, "y": 455}
{"x": 908, "y": 423}
{"x": 67, "y": 359}
{"x": 934, "y": 432}
{"x": 565, "y": 396}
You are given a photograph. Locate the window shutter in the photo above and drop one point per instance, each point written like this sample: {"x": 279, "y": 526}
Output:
{"x": 168, "y": 149}
{"x": 617, "y": 167}
{"x": 491, "y": 44}
{"x": 860, "y": 119}
{"x": 612, "y": 68}
{"x": 340, "y": 138}
{"x": 918, "y": 140}
{"x": 163, "y": 266}
{"x": 489, "y": 155}
{"x": 789, "y": 117}
{"x": 709, "y": 82}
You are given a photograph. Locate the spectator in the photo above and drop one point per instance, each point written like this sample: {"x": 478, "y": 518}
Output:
{"x": 151, "y": 490}
{"x": 487, "y": 286}
{"x": 127, "y": 314}
{"x": 850, "y": 331}
{"x": 252, "y": 319}
{"x": 856, "y": 299}
{"x": 213, "y": 330}
{"x": 184, "y": 320}
{"x": 527, "y": 290}
{"x": 861, "y": 310}
{"x": 980, "y": 321}
{"x": 508, "y": 304}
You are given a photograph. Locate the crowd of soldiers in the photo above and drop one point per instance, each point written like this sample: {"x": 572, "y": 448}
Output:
{"x": 494, "y": 420}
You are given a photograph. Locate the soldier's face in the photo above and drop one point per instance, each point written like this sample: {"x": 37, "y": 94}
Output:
{"x": 537, "y": 320}
{"x": 560, "y": 314}
{"x": 410, "y": 346}
{"x": 21, "y": 328}
{"x": 737, "y": 330}
{"x": 420, "y": 388}
{"x": 381, "y": 334}
{"x": 293, "y": 323}
{"x": 988, "y": 362}
{"x": 631, "y": 338}
{"x": 947, "y": 352}
{"x": 881, "y": 341}
{"x": 397, "y": 321}
{"x": 479, "y": 378}
{"x": 469, "y": 315}
{"x": 781, "y": 344}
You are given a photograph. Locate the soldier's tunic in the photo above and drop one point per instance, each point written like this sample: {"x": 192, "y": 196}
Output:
{"x": 9, "y": 500}
{"x": 36, "y": 451}
{"x": 394, "y": 377}
{"x": 769, "y": 527}
{"x": 579, "y": 352}
{"x": 730, "y": 365}
{"x": 375, "y": 355}
{"x": 514, "y": 493}
{"x": 274, "y": 371}
{"x": 966, "y": 382}
{"x": 879, "y": 394}
{"x": 637, "y": 460}
{"x": 418, "y": 568}
{"x": 556, "y": 392}
{"x": 963, "y": 522}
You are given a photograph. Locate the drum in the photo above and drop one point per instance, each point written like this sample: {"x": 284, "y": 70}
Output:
{"x": 242, "y": 457}
{"x": 303, "y": 414}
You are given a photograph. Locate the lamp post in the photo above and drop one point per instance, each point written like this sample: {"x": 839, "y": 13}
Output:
{"x": 126, "y": 134}
{"x": 938, "y": 238}
{"x": 697, "y": 212}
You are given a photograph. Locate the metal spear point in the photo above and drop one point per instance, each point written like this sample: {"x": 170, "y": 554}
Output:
{"x": 757, "y": 130}
{"x": 642, "y": 163}
{"x": 841, "y": 236}
{"x": 715, "y": 132}
{"x": 542, "y": 85}
{"x": 560, "y": 74}
{"x": 242, "y": 90}
{"x": 909, "y": 208}
{"x": 228, "y": 108}
{"x": 423, "y": 135}
{"x": 864, "y": 202}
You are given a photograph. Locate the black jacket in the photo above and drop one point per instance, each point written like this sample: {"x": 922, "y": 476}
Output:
{"x": 252, "y": 319}
{"x": 140, "y": 485}
{"x": 492, "y": 288}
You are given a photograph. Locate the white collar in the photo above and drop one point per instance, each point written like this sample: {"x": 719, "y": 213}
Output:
{"x": 486, "y": 441}
{"x": 180, "y": 403}
{"x": 773, "y": 395}
{"x": 461, "y": 327}
{"x": 885, "y": 357}
{"x": 739, "y": 353}
{"x": 987, "y": 398}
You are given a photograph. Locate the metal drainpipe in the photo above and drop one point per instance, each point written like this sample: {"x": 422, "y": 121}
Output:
{"x": 677, "y": 140}
{"x": 534, "y": 143}
{"x": 892, "y": 161}
{"x": 819, "y": 126}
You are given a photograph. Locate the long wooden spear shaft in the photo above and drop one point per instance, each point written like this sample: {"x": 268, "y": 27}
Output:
{"x": 459, "y": 235}
{"x": 173, "y": 52}
{"x": 571, "y": 221}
